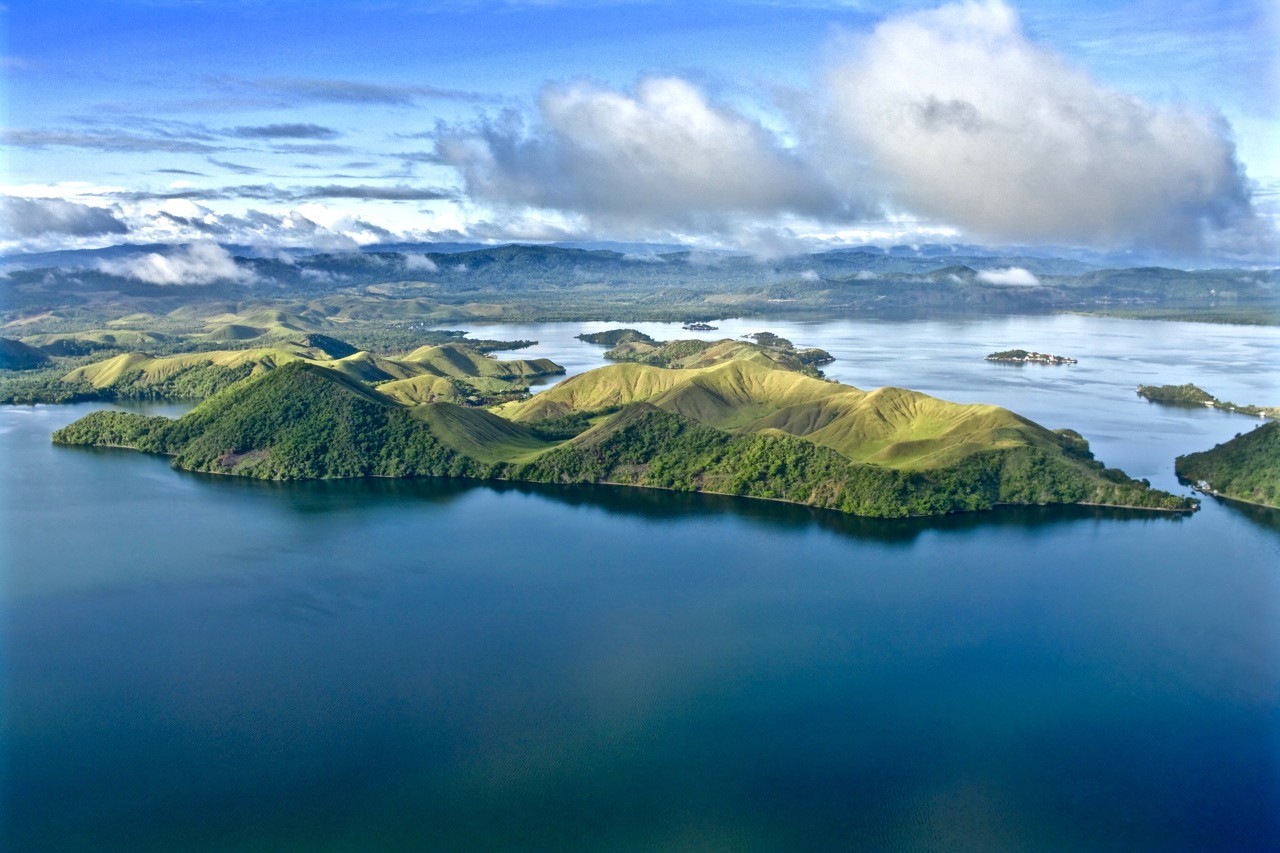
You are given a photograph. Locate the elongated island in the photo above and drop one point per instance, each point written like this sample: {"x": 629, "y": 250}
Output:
{"x": 730, "y": 417}
{"x": 1022, "y": 356}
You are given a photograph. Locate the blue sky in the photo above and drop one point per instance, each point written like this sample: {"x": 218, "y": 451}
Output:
{"x": 731, "y": 123}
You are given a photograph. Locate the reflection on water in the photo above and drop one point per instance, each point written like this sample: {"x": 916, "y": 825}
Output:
{"x": 658, "y": 505}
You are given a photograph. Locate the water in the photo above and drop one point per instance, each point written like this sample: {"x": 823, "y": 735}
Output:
{"x": 196, "y": 662}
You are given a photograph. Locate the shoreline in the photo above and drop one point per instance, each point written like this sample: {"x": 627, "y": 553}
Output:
{"x": 615, "y": 484}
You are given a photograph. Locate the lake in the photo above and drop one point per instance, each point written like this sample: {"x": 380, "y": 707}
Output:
{"x": 203, "y": 663}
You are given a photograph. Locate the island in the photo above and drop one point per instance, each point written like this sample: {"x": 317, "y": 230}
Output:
{"x": 1246, "y": 468}
{"x": 767, "y": 348}
{"x": 1192, "y": 395}
{"x": 613, "y": 337}
{"x": 740, "y": 419}
{"x": 699, "y": 327}
{"x": 1022, "y": 356}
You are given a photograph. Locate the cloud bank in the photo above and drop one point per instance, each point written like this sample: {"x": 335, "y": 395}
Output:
{"x": 961, "y": 117}
{"x": 952, "y": 115}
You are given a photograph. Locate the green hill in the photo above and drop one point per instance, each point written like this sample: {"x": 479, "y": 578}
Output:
{"x": 722, "y": 429}
{"x": 1246, "y": 468}
{"x": 15, "y": 355}
{"x": 408, "y": 379}
{"x": 889, "y": 426}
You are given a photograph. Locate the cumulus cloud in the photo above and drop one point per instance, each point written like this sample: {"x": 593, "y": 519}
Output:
{"x": 41, "y": 217}
{"x": 198, "y": 263}
{"x": 1013, "y": 276}
{"x": 961, "y": 117}
{"x": 810, "y": 275}
{"x": 662, "y": 154}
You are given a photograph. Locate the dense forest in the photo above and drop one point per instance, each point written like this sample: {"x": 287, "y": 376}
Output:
{"x": 1246, "y": 468}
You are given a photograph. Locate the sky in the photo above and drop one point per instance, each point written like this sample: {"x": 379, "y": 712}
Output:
{"x": 770, "y": 127}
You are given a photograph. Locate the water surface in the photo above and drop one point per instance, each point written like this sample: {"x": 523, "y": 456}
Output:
{"x": 194, "y": 662}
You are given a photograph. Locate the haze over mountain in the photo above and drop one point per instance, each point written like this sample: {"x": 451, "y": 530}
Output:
{"x": 1118, "y": 135}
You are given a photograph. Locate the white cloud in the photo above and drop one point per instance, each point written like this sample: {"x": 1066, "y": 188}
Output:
{"x": 419, "y": 262}
{"x": 964, "y": 119}
{"x": 662, "y": 155}
{"x": 1009, "y": 276}
{"x": 198, "y": 263}
{"x": 810, "y": 275}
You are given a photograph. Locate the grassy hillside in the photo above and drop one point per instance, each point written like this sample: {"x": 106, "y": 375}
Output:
{"x": 305, "y": 420}
{"x": 1246, "y": 468}
{"x": 889, "y": 426}
{"x": 411, "y": 379}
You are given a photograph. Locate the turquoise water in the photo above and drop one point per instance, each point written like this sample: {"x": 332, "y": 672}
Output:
{"x": 206, "y": 663}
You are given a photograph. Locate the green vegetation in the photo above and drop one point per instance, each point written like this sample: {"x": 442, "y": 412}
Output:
{"x": 692, "y": 354}
{"x": 15, "y": 355}
{"x": 740, "y": 427}
{"x": 1192, "y": 395}
{"x": 613, "y": 337}
{"x": 1246, "y": 468}
{"x": 1022, "y": 356}
{"x": 449, "y": 371}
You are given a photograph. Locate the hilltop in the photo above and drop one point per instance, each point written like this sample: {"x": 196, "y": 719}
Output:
{"x": 740, "y": 427}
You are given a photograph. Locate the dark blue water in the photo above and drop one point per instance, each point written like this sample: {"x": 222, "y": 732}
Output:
{"x": 206, "y": 663}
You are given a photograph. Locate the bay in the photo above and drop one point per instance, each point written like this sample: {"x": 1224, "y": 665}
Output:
{"x": 194, "y": 662}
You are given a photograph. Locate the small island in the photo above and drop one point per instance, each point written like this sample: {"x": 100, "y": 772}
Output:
{"x": 767, "y": 348}
{"x": 613, "y": 337}
{"x": 1022, "y": 356}
{"x": 1195, "y": 396}
{"x": 700, "y": 327}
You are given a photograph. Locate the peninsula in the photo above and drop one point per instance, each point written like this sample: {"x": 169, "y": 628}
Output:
{"x": 1193, "y": 395}
{"x": 739, "y": 420}
{"x": 1246, "y": 468}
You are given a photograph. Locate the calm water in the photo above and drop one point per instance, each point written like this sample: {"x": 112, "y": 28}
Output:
{"x": 204, "y": 663}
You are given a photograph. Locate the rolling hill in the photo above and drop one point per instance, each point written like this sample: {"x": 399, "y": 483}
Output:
{"x": 739, "y": 428}
{"x": 448, "y": 371}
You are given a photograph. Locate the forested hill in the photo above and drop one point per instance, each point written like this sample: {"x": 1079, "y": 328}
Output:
{"x": 304, "y": 420}
{"x": 1246, "y": 468}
